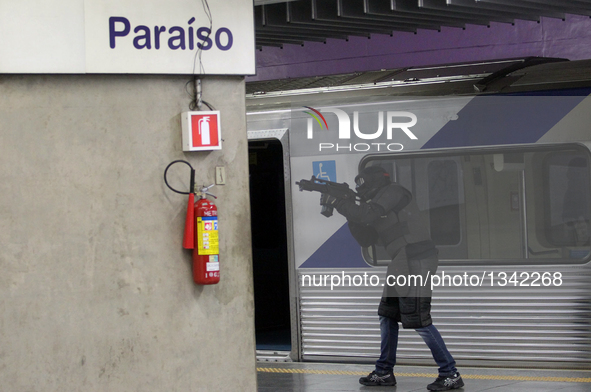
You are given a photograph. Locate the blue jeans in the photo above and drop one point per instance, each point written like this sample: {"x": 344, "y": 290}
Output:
{"x": 431, "y": 336}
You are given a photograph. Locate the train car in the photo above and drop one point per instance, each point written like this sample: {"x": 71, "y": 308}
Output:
{"x": 496, "y": 155}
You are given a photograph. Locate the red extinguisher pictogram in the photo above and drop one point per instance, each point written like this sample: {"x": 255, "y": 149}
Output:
{"x": 201, "y": 231}
{"x": 206, "y": 255}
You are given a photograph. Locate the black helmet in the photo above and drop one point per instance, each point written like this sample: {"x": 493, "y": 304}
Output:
{"x": 370, "y": 180}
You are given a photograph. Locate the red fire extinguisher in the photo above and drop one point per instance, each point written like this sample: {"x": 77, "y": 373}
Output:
{"x": 206, "y": 255}
{"x": 201, "y": 231}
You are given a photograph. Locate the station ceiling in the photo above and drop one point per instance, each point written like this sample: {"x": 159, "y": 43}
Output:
{"x": 279, "y": 22}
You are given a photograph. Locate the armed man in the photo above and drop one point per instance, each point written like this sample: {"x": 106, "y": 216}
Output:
{"x": 387, "y": 215}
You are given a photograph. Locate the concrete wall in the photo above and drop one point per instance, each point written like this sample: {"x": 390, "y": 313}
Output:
{"x": 569, "y": 39}
{"x": 96, "y": 292}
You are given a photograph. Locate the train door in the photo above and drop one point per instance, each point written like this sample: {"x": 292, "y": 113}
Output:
{"x": 274, "y": 310}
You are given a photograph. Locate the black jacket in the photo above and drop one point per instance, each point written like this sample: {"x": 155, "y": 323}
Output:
{"x": 393, "y": 220}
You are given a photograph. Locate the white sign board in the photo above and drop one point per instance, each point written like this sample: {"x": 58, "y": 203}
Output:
{"x": 127, "y": 36}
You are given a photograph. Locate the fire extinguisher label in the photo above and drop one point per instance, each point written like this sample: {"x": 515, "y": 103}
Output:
{"x": 213, "y": 264}
{"x": 207, "y": 236}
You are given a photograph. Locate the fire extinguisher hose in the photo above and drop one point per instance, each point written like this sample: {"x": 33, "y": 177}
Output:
{"x": 189, "y": 232}
{"x": 192, "y": 181}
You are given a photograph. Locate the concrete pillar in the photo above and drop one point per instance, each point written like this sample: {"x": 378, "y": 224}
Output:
{"x": 96, "y": 292}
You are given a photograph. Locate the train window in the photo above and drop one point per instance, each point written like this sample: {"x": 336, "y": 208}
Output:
{"x": 517, "y": 205}
{"x": 444, "y": 201}
{"x": 567, "y": 190}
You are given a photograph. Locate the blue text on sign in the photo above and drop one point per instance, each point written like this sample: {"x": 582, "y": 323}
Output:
{"x": 176, "y": 36}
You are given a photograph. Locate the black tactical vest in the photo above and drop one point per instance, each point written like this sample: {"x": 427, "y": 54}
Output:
{"x": 403, "y": 223}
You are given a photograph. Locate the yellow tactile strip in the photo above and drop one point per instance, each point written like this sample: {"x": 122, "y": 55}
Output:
{"x": 427, "y": 375}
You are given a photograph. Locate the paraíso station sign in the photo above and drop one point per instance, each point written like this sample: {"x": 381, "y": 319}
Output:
{"x": 177, "y": 38}
{"x": 128, "y": 36}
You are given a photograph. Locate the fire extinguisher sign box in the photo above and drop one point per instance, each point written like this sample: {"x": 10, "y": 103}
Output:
{"x": 201, "y": 131}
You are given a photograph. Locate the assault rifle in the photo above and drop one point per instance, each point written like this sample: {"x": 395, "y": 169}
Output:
{"x": 335, "y": 189}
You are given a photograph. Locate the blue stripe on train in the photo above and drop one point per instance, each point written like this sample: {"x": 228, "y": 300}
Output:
{"x": 339, "y": 251}
{"x": 508, "y": 119}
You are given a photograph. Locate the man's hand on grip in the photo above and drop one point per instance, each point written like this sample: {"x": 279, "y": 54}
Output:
{"x": 328, "y": 200}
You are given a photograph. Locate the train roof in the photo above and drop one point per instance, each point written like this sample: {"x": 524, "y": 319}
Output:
{"x": 485, "y": 77}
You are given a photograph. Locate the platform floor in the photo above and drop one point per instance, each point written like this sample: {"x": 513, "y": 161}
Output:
{"x": 313, "y": 377}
